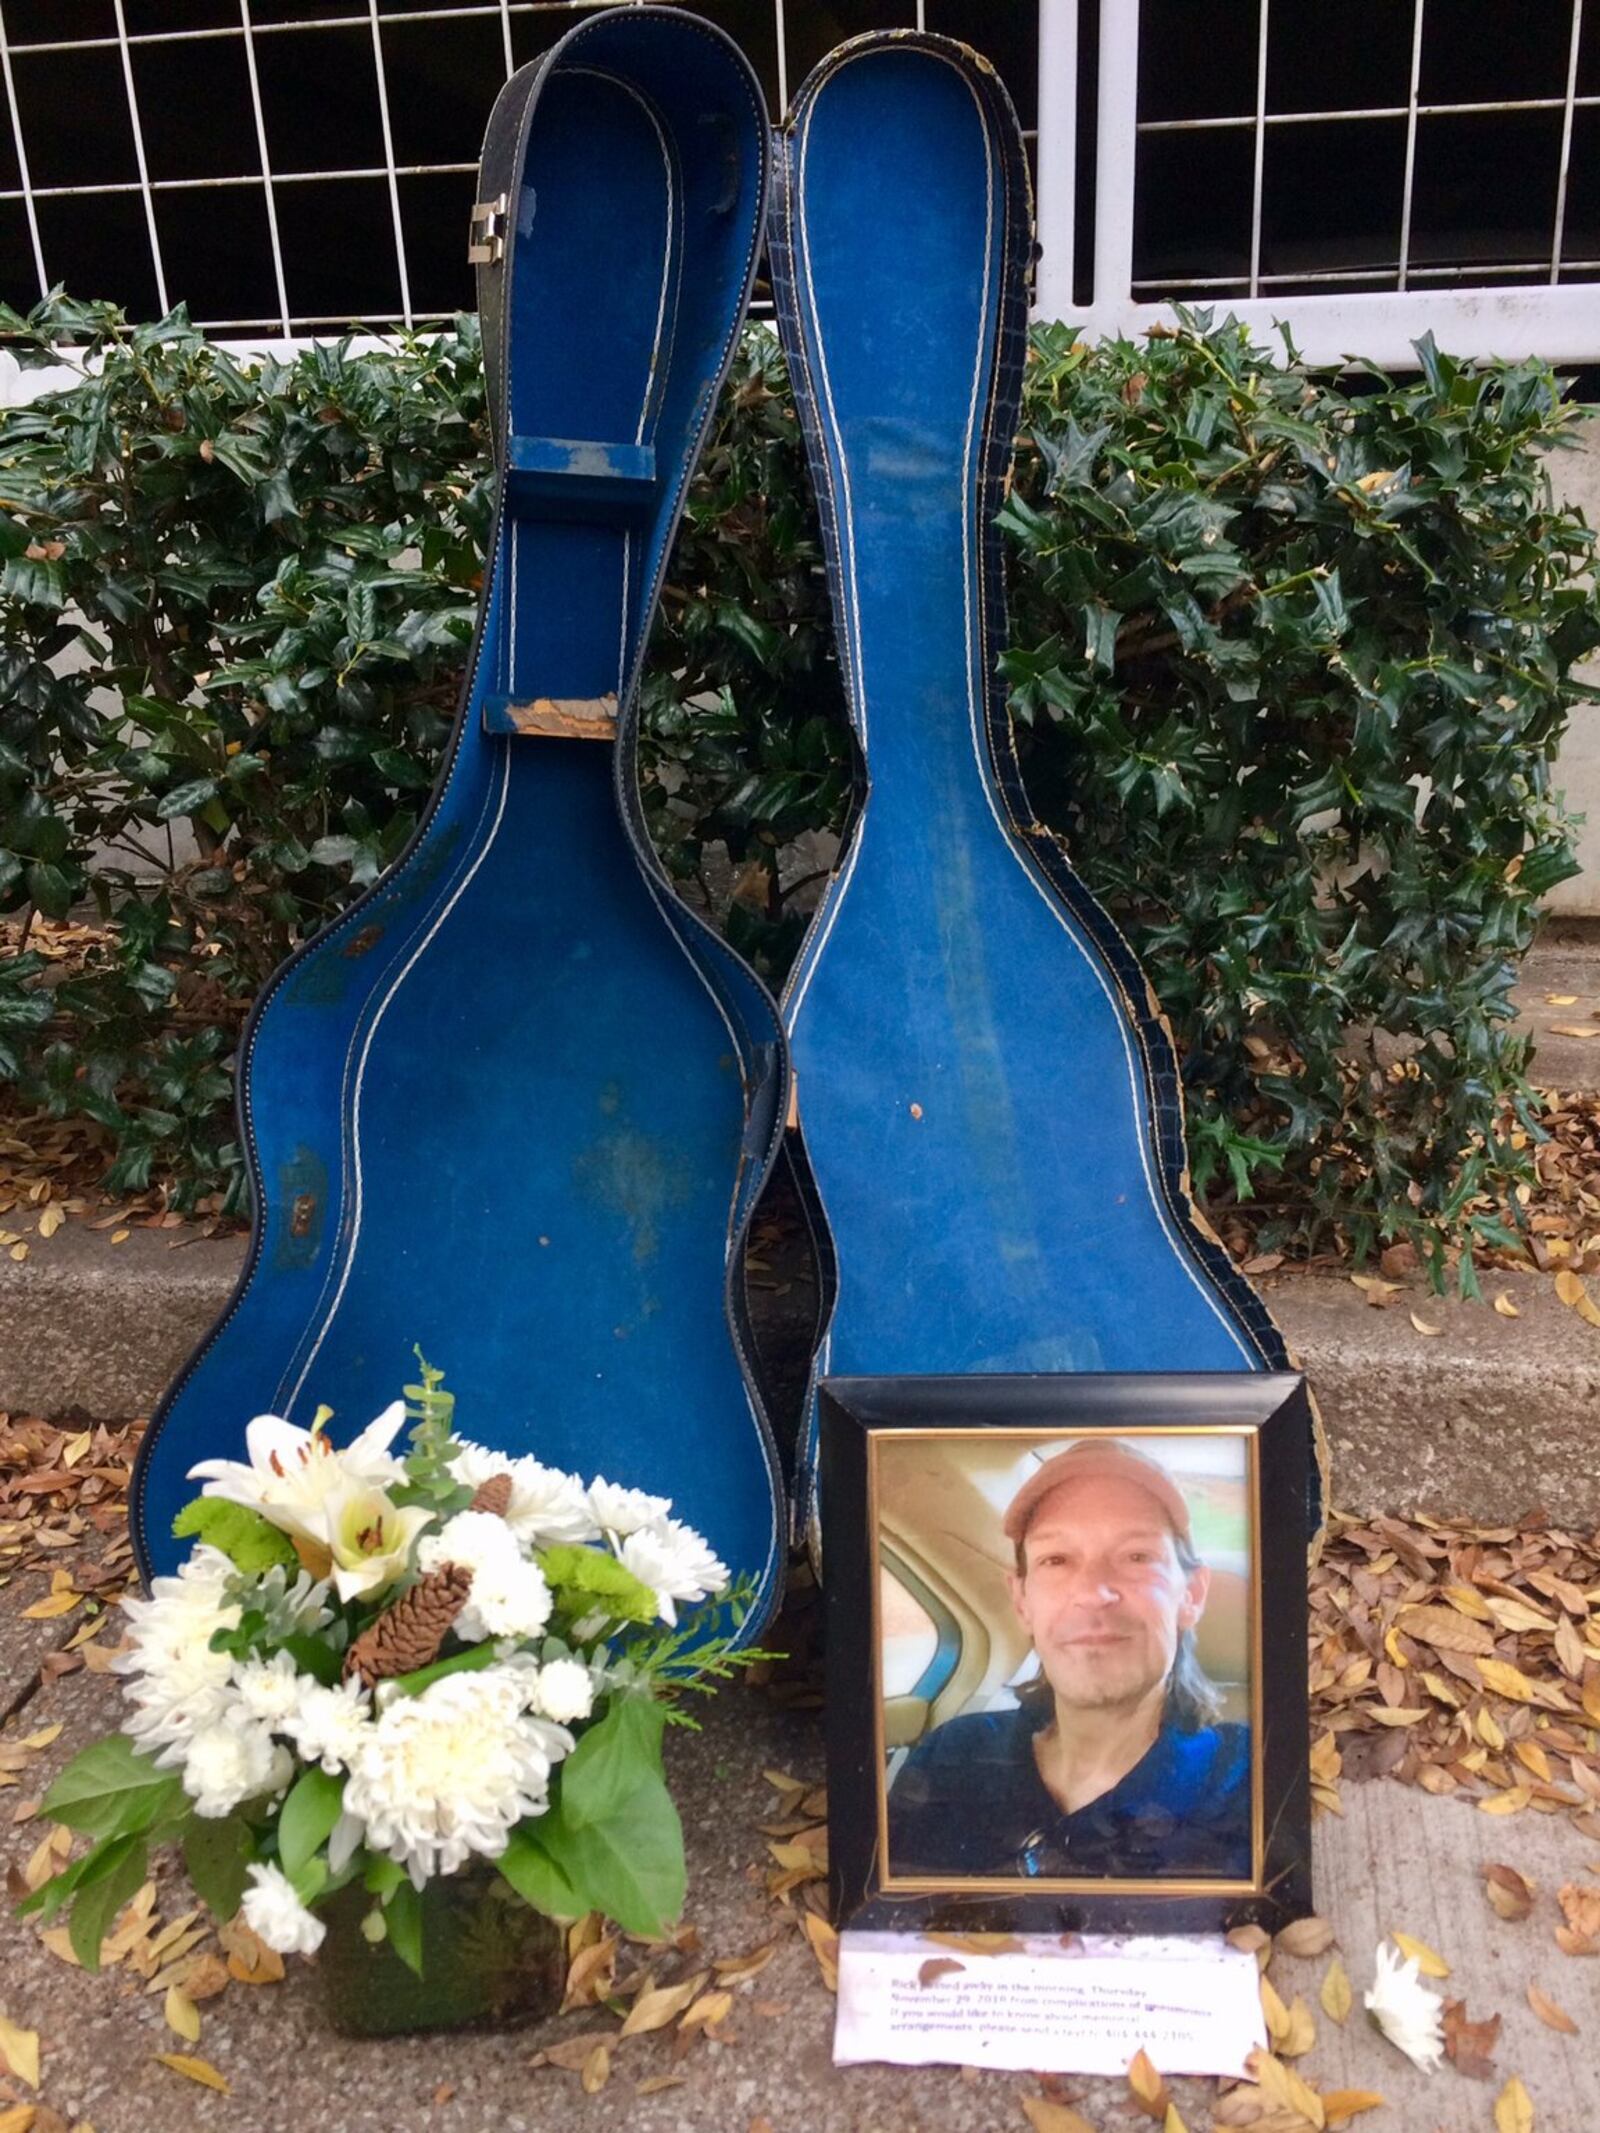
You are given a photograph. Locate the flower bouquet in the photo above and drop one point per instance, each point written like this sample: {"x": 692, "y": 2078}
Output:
{"x": 410, "y": 1704}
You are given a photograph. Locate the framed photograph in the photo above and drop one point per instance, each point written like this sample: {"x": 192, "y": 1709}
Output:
{"x": 1066, "y": 1623}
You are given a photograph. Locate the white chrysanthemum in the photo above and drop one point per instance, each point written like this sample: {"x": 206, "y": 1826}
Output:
{"x": 451, "y": 1772}
{"x": 546, "y": 1505}
{"x": 1403, "y": 2008}
{"x": 269, "y": 1689}
{"x": 675, "y": 1562}
{"x": 509, "y": 1596}
{"x": 508, "y": 1599}
{"x": 328, "y": 1726}
{"x": 176, "y": 1683}
{"x": 619, "y": 1511}
{"x": 564, "y": 1691}
{"x": 231, "y": 1761}
{"x": 275, "y": 1913}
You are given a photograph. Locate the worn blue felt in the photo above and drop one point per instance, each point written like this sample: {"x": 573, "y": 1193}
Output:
{"x": 514, "y": 1106}
{"x": 976, "y": 1105}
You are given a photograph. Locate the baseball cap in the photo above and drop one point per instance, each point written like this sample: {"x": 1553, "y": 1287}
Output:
{"x": 1093, "y": 1459}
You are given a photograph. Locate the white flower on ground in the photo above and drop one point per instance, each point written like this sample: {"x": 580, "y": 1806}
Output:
{"x": 509, "y": 1596}
{"x": 675, "y": 1563}
{"x": 268, "y": 1689}
{"x": 564, "y": 1691}
{"x": 231, "y": 1761}
{"x": 369, "y": 1538}
{"x": 451, "y": 1771}
{"x": 1403, "y": 2008}
{"x": 328, "y": 1726}
{"x": 546, "y": 1505}
{"x": 292, "y": 1471}
{"x": 176, "y": 1683}
{"x": 275, "y": 1912}
{"x": 619, "y": 1511}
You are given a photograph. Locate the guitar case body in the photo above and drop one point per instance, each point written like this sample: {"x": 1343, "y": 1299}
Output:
{"x": 988, "y": 1096}
{"x": 516, "y": 1104}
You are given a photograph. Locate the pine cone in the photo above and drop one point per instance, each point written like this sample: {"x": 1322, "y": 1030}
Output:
{"x": 493, "y": 1495}
{"x": 409, "y": 1634}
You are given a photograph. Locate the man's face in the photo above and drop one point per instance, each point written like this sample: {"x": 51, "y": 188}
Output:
{"x": 1104, "y": 1598}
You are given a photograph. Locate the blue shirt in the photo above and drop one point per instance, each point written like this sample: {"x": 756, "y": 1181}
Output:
{"x": 969, "y": 1800}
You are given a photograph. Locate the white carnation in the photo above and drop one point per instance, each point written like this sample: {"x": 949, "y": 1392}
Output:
{"x": 274, "y": 1912}
{"x": 176, "y": 1683}
{"x": 675, "y": 1562}
{"x": 1403, "y": 2008}
{"x": 450, "y": 1772}
{"x": 509, "y": 1596}
{"x": 328, "y": 1726}
{"x": 232, "y": 1761}
{"x": 269, "y": 1689}
{"x": 621, "y": 1511}
{"x": 564, "y": 1691}
{"x": 546, "y": 1505}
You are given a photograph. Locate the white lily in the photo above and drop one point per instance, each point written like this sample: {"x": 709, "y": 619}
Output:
{"x": 1406, "y": 2012}
{"x": 369, "y": 1538}
{"x": 293, "y": 1472}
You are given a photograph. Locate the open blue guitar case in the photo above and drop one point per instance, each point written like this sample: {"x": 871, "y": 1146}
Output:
{"x": 517, "y": 1103}
{"x": 988, "y": 1096}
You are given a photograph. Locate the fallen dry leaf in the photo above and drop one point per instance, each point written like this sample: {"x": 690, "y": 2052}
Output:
{"x": 1335, "y": 1993}
{"x": 182, "y": 2015}
{"x": 1469, "y": 2046}
{"x": 1305, "y": 1937}
{"x": 1423, "y": 1326}
{"x": 596, "y": 2070}
{"x": 571, "y": 2054}
{"x": 1285, "y": 2088}
{"x": 1513, "y": 2109}
{"x": 657, "y": 2008}
{"x": 1148, "y": 2089}
{"x": 825, "y": 1947}
{"x": 1571, "y": 1291}
{"x": 19, "y": 2052}
{"x": 707, "y": 2011}
{"x": 1581, "y": 1908}
{"x": 1341, "y": 2105}
{"x": 1301, "y": 2032}
{"x": 1273, "y": 2012}
{"x": 1549, "y": 2013}
{"x": 1428, "y": 1963}
{"x": 1510, "y": 1894}
{"x": 194, "y": 2069}
{"x": 1047, "y": 2117}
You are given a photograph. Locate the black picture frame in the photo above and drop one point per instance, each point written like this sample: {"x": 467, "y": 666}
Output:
{"x": 860, "y": 1417}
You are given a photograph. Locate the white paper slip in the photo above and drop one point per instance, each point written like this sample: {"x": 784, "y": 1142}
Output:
{"x": 1192, "y": 2003}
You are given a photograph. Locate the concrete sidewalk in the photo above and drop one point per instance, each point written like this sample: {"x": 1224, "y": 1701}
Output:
{"x": 1396, "y": 1858}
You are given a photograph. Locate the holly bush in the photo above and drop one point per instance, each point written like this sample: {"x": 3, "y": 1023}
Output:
{"x": 1291, "y": 657}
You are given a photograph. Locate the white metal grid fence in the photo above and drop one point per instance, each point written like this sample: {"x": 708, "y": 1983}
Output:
{"x": 1378, "y": 303}
{"x": 1549, "y": 305}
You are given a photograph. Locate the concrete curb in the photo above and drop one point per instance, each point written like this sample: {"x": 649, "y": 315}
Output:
{"x": 1490, "y": 1416}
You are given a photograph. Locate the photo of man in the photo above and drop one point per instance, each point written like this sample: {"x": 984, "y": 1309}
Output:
{"x": 1115, "y": 1760}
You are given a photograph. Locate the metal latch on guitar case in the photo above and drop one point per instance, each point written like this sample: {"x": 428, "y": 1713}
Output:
{"x": 486, "y": 236}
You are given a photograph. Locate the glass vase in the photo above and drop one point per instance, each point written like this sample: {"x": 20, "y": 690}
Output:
{"x": 487, "y": 1960}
